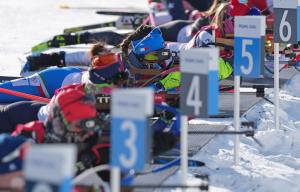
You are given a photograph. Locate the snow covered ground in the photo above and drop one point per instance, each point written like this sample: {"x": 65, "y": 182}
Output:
{"x": 28, "y": 22}
{"x": 274, "y": 167}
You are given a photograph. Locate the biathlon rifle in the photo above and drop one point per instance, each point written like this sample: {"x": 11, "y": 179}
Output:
{"x": 123, "y": 22}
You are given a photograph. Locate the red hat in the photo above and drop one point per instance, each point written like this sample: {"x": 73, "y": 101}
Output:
{"x": 75, "y": 104}
{"x": 238, "y": 9}
{"x": 73, "y": 115}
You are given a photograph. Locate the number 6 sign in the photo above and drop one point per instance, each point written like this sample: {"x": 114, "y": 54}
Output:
{"x": 249, "y": 45}
{"x": 130, "y": 136}
{"x": 286, "y": 21}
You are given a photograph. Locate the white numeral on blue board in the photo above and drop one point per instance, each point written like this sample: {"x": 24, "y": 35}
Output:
{"x": 193, "y": 97}
{"x": 287, "y": 25}
{"x": 248, "y": 55}
{"x": 130, "y": 143}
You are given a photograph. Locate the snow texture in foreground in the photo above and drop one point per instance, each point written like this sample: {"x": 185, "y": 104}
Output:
{"x": 273, "y": 167}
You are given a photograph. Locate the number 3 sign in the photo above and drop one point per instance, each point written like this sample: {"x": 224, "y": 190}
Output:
{"x": 249, "y": 45}
{"x": 130, "y": 136}
{"x": 286, "y": 21}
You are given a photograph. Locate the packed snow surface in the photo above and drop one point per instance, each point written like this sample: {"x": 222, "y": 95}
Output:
{"x": 28, "y": 22}
{"x": 274, "y": 166}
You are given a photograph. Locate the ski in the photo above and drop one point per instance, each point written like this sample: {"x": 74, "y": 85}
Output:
{"x": 122, "y": 12}
{"x": 165, "y": 159}
{"x": 129, "y": 21}
{"x": 88, "y": 27}
{"x": 122, "y": 9}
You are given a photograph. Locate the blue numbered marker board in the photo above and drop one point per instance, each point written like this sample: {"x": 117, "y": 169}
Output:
{"x": 131, "y": 138}
{"x": 249, "y": 45}
{"x": 199, "y": 88}
{"x": 286, "y": 21}
{"x": 50, "y": 167}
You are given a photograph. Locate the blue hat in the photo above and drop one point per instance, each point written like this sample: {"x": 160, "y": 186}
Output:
{"x": 107, "y": 74}
{"x": 10, "y": 146}
{"x": 152, "y": 42}
{"x": 254, "y": 11}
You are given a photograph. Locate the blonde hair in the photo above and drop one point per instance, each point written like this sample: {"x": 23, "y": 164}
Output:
{"x": 212, "y": 9}
{"x": 219, "y": 16}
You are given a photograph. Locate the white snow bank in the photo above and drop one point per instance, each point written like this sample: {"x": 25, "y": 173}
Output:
{"x": 275, "y": 166}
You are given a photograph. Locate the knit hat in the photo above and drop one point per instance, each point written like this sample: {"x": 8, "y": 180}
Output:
{"x": 106, "y": 69}
{"x": 254, "y": 11}
{"x": 73, "y": 114}
{"x": 10, "y": 153}
{"x": 238, "y": 9}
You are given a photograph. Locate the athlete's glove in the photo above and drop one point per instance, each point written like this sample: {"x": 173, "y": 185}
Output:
{"x": 33, "y": 130}
{"x": 93, "y": 156}
{"x": 43, "y": 60}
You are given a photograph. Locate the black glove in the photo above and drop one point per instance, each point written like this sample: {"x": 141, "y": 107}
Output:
{"x": 96, "y": 155}
{"x": 44, "y": 60}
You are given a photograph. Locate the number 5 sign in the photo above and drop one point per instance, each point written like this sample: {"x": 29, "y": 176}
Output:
{"x": 249, "y": 45}
{"x": 199, "y": 86}
{"x": 286, "y": 21}
{"x": 130, "y": 136}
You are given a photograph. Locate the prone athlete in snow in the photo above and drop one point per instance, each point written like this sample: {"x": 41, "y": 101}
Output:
{"x": 184, "y": 30}
{"x": 73, "y": 118}
{"x": 106, "y": 73}
{"x": 105, "y": 65}
{"x": 222, "y": 24}
{"x": 160, "y": 55}
{"x": 146, "y": 49}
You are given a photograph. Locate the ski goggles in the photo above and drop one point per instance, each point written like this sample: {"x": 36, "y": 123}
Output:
{"x": 159, "y": 55}
{"x": 90, "y": 124}
{"x": 104, "y": 60}
{"x": 80, "y": 130}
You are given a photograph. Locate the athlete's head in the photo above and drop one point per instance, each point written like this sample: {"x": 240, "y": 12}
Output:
{"x": 106, "y": 67}
{"x": 225, "y": 13}
{"x": 147, "y": 48}
{"x": 139, "y": 33}
{"x": 73, "y": 116}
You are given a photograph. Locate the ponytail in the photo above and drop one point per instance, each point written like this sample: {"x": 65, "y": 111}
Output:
{"x": 140, "y": 32}
{"x": 220, "y": 15}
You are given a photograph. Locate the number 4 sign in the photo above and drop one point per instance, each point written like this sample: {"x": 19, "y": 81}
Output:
{"x": 199, "y": 86}
{"x": 130, "y": 136}
{"x": 249, "y": 45}
{"x": 286, "y": 21}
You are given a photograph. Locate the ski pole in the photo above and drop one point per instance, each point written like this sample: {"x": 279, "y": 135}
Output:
{"x": 25, "y": 95}
{"x": 175, "y": 162}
